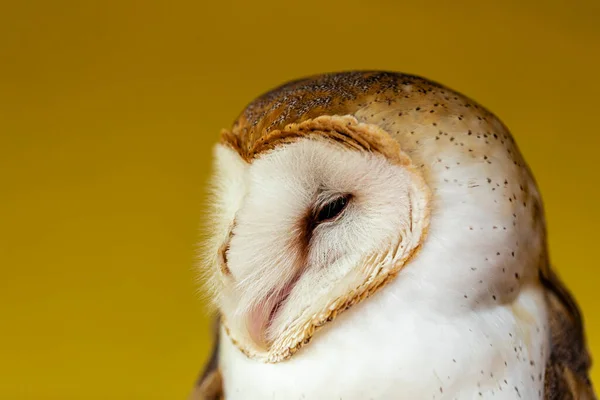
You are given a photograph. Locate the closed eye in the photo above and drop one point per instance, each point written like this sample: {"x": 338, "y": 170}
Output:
{"x": 330, "y": 210}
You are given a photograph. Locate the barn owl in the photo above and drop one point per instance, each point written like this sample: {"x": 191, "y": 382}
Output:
{"x": 376, "y": 235}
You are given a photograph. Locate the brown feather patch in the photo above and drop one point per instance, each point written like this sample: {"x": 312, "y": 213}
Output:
{"x": 344, "y": 130}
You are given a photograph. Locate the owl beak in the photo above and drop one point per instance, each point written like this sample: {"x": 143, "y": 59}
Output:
{"x": 261, "y": 317}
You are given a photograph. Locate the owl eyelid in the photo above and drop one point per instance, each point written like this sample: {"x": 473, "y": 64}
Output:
{"x": 330, "y": 209}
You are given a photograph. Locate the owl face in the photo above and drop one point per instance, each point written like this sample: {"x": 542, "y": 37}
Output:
{"x": 306, "y": 230}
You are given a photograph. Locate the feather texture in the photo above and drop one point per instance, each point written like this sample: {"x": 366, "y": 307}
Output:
{"x": 476, "y": 312}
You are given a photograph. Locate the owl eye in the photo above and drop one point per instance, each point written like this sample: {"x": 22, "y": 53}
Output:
{"x": 332, "y": 209}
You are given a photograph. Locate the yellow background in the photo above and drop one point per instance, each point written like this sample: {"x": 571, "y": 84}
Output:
{"x": 108, "y": 110}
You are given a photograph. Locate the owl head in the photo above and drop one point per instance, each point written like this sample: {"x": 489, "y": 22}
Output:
{"x": 331, "y": 189}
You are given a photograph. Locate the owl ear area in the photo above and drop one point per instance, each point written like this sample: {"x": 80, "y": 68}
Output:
{"x": 226, "y": 192}
{"x": 222, "y": 253}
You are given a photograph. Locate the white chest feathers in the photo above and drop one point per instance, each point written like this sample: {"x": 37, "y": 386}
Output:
{"x": 396, "y": 346}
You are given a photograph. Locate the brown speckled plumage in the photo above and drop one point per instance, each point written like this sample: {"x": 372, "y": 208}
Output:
{"x": 569, "y": 362}
{"x": 382, "y": 98}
